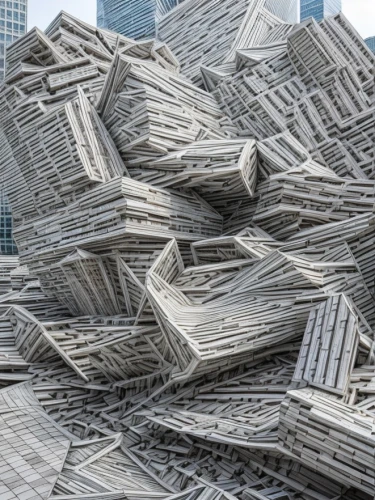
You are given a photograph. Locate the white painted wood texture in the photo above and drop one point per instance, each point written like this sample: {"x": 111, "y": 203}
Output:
{"x": 191, "y": 314}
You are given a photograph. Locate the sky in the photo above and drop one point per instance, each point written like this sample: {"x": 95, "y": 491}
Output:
{"x": 361, "y": 13}
{"x": 42, "y": 12}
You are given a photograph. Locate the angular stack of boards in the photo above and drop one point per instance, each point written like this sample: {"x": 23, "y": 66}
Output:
{"x": 192, "y": 312}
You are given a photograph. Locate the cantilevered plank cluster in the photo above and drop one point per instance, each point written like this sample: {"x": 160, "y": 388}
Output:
{"x": 191, "y": 315}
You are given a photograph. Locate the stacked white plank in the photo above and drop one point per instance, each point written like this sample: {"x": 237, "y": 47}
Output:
{"x": 240, "y": 471}
{"x": 329, "y": 348}
{"x": 218, "y": 314}
{"x": 105, "y": 467}
{"x": 8, "y": 265}
{"x": 123, "y": 216}
{"x": 13, "y": 366}
{"x": 330, "y": 437}
{"x": 33, "y": 48}
{"x": 53, "y": 463}
{"x": 101, "y": 353}
{"x": 48, "y": 103}
{"x": 307, "y": 196}
{"x": 352, "y": 240}
{"x": 65, "y": 153}
{"x": 251, "y": 244}
{"x": 117, "y": 352}
{"x": 361, "y": 387}
{"x": 61, "y": 152}
{"x": 35, "y": 300}
{"x": 150, "y": 111}
{"x": 242, "y": 411}
{"x": 205, "y": 34}
{"x": 318, "y": 86}
{"x": 223, "y": 173}
{"x": 191, "y": 280}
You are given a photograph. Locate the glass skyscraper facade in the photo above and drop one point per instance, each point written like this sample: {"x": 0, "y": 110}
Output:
{"x": 133, "y": 18}
{"x": 319, "y": 9}
{"x": 370, "y": 42}
{"x": 7, "y": 244}
{"x": 13, "y": 24}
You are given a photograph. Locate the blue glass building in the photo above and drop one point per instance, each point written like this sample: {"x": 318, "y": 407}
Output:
{"x": 133, "y": 18}
{"x": 370, "y": 42}
{"x": 319, "y": 9}
{"x": 7, "y": 244}
{"x": 13, "y": 24}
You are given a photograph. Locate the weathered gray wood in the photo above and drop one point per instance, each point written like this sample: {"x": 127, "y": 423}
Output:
{"x": 329, "y": 347}
{"x": 334, "y": 438}
{"x": 182, "y": 253}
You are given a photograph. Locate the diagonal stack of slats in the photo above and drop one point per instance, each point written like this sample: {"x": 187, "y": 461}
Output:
{"x": 192, "y": 312}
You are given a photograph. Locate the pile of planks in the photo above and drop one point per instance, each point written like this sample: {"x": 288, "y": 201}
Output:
{"x": 205, "y": 34}
{"x": 318, "y": 85}
{"x": 192, "y": 312}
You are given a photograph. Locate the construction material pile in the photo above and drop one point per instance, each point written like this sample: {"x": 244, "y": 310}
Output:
{"x": 192, "y": 312}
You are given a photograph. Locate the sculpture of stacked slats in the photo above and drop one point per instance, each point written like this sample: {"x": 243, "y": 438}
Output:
{"x": 192, "y": 312}
{"x": 192, "y": 305}
{"x": 224, "y": 173}
{"x": 319, "y": 87}
{"x": 149, "y": 111}
{"x": 207, "y": 33}
{"x": 13, "y": 276}
{"x": 303, "y": 205}
{"x": 331, "y": 334}
{"x": 332, "y": 437}
{"x": 242, "y": 411}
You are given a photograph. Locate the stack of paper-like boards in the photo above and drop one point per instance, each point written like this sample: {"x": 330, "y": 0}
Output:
{"x": 196, "y": 317}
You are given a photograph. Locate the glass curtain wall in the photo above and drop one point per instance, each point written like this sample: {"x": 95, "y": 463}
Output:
{"x": 133, "y": 18}
{"x": 13, "y": 24}
{"x": 319, "y": 9}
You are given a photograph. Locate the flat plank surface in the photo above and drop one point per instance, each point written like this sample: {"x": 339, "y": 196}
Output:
{"x": 33, "y": 449}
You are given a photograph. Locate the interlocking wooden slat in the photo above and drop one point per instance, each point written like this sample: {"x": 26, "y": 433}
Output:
{"x": 329, "y": 347}
{"x": 243, "y": 410}
{"x": 205, "y": 33}
{"x": 334, "y": 438}
{"x": 183, "y": 252}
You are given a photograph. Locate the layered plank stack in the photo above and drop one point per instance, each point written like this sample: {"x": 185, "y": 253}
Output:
{"x": 192, "y": 312}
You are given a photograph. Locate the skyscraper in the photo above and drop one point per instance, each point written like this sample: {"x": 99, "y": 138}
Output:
{"x": 370, "y": 42}
{"x": 319, "y": 9}
{"x": 133, "y": 18}
{"x": 13, "y": 24}
{"x": 7, "y": 244}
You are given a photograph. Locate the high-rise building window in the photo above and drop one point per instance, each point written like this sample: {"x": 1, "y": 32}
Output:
{"x": 13, "y": 20}
{"x": 7, "y": 244}
{"x": 133, "y": 18}
{"x": 370, "y": 42}
{"x": 319, "y": 9}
